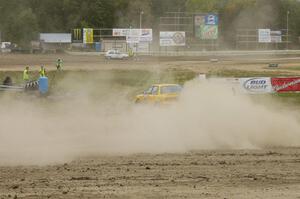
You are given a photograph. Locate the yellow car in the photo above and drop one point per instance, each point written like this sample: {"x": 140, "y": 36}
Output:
{"x": 159, "y": 93}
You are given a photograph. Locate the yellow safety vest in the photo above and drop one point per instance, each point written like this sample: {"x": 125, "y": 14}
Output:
{"x": 26, "y": 75}
{"x": 42, "y": 73}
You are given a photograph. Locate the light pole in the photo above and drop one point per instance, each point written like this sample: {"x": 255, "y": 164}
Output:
{"x": 141, "y": 18}
{"x": 287, "y": 29}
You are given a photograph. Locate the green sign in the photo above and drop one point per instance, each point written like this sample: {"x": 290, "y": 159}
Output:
{"x": 208, "y": 32}
{"x": 205, "y": 30}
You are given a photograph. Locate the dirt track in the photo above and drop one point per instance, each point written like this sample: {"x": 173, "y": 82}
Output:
{"x": 273, "y": 173}
{"x": 204, "y": 174}
{"x": 10, "y": 62}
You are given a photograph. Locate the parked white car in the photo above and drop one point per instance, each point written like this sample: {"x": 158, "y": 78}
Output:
{"x": 115, "y": 54}
{"x": 6, "y": 47}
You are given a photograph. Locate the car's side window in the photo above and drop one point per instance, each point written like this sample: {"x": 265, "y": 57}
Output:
{"x": 149, "y": 91}
{"x": 170, "y": 89}
{"x": 155, "y": 90}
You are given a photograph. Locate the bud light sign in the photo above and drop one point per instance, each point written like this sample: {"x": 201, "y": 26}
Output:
{"x": 256, "y": 85}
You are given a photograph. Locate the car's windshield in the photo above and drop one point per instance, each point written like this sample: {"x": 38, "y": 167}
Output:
{"x": 149, "y": 90}
{"x": 154, "y": 90}
{"x": 170, "y": 89}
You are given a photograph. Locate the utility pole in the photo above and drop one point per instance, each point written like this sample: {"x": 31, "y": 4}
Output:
{"x": 287, "y": 29}
{"x": 141, "y": 19}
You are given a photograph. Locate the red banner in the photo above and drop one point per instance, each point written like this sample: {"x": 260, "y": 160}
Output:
{"x": 286, "y": 84}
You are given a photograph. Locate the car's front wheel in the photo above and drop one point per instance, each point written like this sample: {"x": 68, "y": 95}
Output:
{"x": 137, "y": 101}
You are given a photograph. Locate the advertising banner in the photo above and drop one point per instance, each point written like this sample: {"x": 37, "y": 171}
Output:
{"x": 209, "y": 32}
{"x": 199, "y": 20}
{"x": 256, "y": 85}
{"x": 211, "y": 19}
{"x": 120, "y": 32}
{"x": 276, "y": 36}
{"x": 172, "y": 38}
{"x": 264, "y": 35}
{"x": 144, "y": 47}
{"x": 134, "y": 35}
{"x": 77, "y": 34}
{"x": 146, "y": 35}
{"x": 88, "y": 35}
{"x": 56, "y": 37}
{"x": 287, "y": 84}
{"x": 133, "y": 39}
{"x": 206, "y": 26}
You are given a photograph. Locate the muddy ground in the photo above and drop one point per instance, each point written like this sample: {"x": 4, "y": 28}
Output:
{"x": 260, "y": 173}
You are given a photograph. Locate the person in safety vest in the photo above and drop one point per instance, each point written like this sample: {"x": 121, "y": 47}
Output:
{"x": 26, "y": 74}
{"x": 42, "y": 71}
{"x": 130, "y": 52}
{"x": 59, "y": 64}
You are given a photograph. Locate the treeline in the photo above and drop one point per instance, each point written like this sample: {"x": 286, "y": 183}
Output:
{"x": 22, "y": 20}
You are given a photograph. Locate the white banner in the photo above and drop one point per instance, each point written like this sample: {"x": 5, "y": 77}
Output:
{"x": 121, "y": 32}
{"x": 172, "y": 38}
{"x": 276, "y": 36}
{"x": 264, "y": 35}
{"x": 134, "y": 35}
{"x": 146, "y": 35}
{"x": 256, "y": 85}
{"x": 144, "y": 47}
{"x": 133, "y": 39}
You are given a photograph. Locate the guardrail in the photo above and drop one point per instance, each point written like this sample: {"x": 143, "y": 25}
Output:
{"x": 30, "y": 86}
{"x": 11, "y": 88}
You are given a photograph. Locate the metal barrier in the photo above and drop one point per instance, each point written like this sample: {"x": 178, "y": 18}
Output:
{"x": 33, "y": 85}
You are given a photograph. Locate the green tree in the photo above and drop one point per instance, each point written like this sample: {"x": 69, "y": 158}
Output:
{"x": 18, "y": 22}
{"x": 203, "y": 5}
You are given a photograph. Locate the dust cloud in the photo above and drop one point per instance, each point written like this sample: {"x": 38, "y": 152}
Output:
{"x": 207, "y": 115}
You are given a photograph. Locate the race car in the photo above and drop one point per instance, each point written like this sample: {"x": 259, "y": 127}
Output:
{"x": 115, "y": 54}
{"x": 159, "y": 93}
